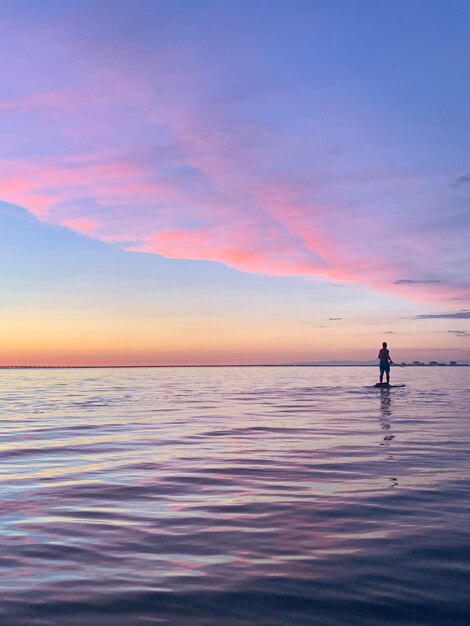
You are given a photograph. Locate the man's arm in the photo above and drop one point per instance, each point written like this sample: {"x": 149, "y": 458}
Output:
{"x": 390, "y": 358}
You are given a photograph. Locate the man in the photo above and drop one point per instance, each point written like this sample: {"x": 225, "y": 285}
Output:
{"x": 384, "y": 364}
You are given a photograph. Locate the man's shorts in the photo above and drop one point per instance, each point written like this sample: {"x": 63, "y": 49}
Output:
{"x": 384, "y": 367}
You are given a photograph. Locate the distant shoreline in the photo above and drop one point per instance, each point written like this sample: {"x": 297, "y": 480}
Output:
{"x": 82, "y": 367}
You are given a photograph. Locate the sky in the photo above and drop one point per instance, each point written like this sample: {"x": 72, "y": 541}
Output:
{"x": 221, "y": 181}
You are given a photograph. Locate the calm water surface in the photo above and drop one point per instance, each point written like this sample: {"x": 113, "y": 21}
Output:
{"x": 234, "y": 496}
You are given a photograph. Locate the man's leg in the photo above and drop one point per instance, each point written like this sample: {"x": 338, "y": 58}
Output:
{"x": 381, "y": 375}
{"x": 388, "y": 376}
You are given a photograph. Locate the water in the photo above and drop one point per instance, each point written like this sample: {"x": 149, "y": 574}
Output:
{"x": 265, "y": 496}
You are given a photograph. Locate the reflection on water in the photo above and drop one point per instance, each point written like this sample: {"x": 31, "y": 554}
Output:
{"x": 233, "y": 496}
{"x": 385, "y": 402}
{"x": 386, "y": 423}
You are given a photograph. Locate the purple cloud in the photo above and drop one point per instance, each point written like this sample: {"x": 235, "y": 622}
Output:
{"x": 459, "y": 315}
{"x": 462, "y": 180}
{"x": 408, "y": 281}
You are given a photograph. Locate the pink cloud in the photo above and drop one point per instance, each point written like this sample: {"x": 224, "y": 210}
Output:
{"x": 248, "y": 224}
{"x": 149, "y": 148}
{"x": 238, "y": 252}
{"x": 80, "y": 225}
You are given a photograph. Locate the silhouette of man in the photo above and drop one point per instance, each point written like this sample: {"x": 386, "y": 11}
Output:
{"x": 384, "y": 364}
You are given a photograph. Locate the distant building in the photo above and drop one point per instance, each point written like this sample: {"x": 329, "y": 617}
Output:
{"x": 433, "y": 363}
{"x": 453, "y": 363}
{"x": 416, "y": 363}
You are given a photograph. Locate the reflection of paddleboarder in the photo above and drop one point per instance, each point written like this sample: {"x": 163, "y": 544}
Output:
{"x": 384, "y": 365}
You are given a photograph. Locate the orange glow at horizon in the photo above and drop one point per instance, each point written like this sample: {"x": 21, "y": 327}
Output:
{"x": 106, "y": 341}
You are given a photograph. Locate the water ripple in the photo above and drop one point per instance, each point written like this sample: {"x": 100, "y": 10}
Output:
{"x": 210, "y": 496}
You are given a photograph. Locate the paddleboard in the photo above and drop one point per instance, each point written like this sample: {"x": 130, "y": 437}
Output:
{"x": 386, "y": 386}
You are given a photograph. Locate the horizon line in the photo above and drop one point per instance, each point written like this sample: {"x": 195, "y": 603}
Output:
{"x": 206, "y": 365}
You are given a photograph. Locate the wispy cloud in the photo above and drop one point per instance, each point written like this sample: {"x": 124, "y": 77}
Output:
{"x": 410, "y": 281}
{"x": 459, "y": 315}
{"x": 462, "y": 180}
{"x": 334, "y": 319}
{"x": 459, "y": 333}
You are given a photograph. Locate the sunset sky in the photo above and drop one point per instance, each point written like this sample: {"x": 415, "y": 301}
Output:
{"x": 246, "y": 181}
